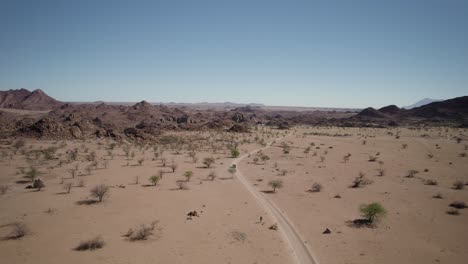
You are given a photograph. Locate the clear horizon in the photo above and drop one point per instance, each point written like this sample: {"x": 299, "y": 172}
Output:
{"x": 279, "y": 53}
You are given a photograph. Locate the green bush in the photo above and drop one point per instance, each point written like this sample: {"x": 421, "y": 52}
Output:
{"x": 372, "y": 212}
{"x": 154, "y": 179}
{"x": 235, "y": 153}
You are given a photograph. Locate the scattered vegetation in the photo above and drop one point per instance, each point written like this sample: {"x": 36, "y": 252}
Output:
{"x": 100, "y": 192}
{"x": 235, "y": 153}
{"x": 19, "y": 230}
{"x": 154, "y": 179}
{"x": 208, "y": 161}
{"x": 412, "y": 173}
{"x": 67, "y": 187}
{"x": 3, "y": 189}
{"x": 91, "y": 244}
{"x": 188, "y": 175}
{"x": 275, "y": 184}
{"x": 143, "y": 232}
{"x": 458, "y": 185}
{"x": 458, "y": 205}
{"x": 316, "y": 187}
{"x": 360, "y": 181}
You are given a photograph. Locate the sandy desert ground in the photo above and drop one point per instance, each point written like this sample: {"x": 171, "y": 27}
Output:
{"x": 416, "y": 228}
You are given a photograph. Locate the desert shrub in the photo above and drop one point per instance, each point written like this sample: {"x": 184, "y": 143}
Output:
{"x": 100, "y": 191}
{"x": 20, "y": 143}
{"x": 361, "y": 180}
{"x": 173, "y": 166}
{"x": 181, "y": 185}
{"x": 372, "y": 212}
{"x": 381, "y": 172}
{"x": 140, "y": 161}
{"x": 143, "y": 232}
{"x": 89, "y": 169}
{"x": 412, "y": 173}
{"x": 18, "y": 230}
{"x": 284, "y": 172}
{"x": 437, "y": 196}
{"x": 238, "y": 236}
{"x": 188, "y": 175}
{"x": 80, "y": 183}
{"x": 154, "y": 179}
{"x": 275, "y": 184}
{"x": 404, "y": 146}
{"x": 91, "y": 244}
{"x": 346, "y": 158}
{"x": 32, "y": 173}
{"x": 316, "y": 187}
{"x": 235, "y": 153}
{"x": 72, "y": 173}
{"x": 67, "y": 187}
{"x": 458, "y": 205}
{"x": 232, "y": 170}
{"x": 38, "y": 184}
{"x": 430, "y": 182}
{"x": 458, "y": 185}
{"x": 3, "y": 189}
{"x": 265, "y": 158}
{"x": 453, "y": 212}
{"x": 372, "y": 158}
{"x": 322, "y": 158}
{"x": 211, "y": 176}
{"x": 208, "y": 161}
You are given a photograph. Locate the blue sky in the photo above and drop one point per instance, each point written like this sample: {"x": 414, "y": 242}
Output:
{"x": 303, "y": 53}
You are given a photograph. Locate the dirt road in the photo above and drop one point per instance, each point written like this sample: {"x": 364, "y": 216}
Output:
{"x": 301, "y": 253}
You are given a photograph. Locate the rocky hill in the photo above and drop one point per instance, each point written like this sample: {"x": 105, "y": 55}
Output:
{"x": 24, "y": 99}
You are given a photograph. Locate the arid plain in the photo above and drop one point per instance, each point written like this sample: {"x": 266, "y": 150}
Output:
{"x": 198, "y": 211}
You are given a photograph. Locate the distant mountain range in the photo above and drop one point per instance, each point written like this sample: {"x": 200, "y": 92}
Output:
{"x": 422, "y": 102}
{"x": 146, "y": 121}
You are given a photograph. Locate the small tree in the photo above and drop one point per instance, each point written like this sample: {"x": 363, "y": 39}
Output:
{"x": 232, "y": 171}
{"x": 265, "y": 158}
{"x": 3, "y": 189}
{"x": 72, "y": 173}
{"x": 275, "y": 184}
{"x": 154, "y": 179}
{"x": 140, "y": 161}
{"x": 181, "y": 185}
{"x": 212, "y": 176}
{"x": 208, "y": 161}
{"x": 173, "y": 166}
{"x": 160, "y": 173}
{"x": 346, "y": 158}
{"x": 458, "y": 185}
{"x": 67, "y": 186}
{"x": 188, "y": 175}
{"x": 372, "y": 212}
{"x": 316, "y": 187}
{"x": 255, "y": 160}
{"x": 32, "y": 174}
{"x": 412, "y": 173}
{"x": 235, "y": 153}
{"x": 100, "y": 191}
{"x": 19, "y": 144}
